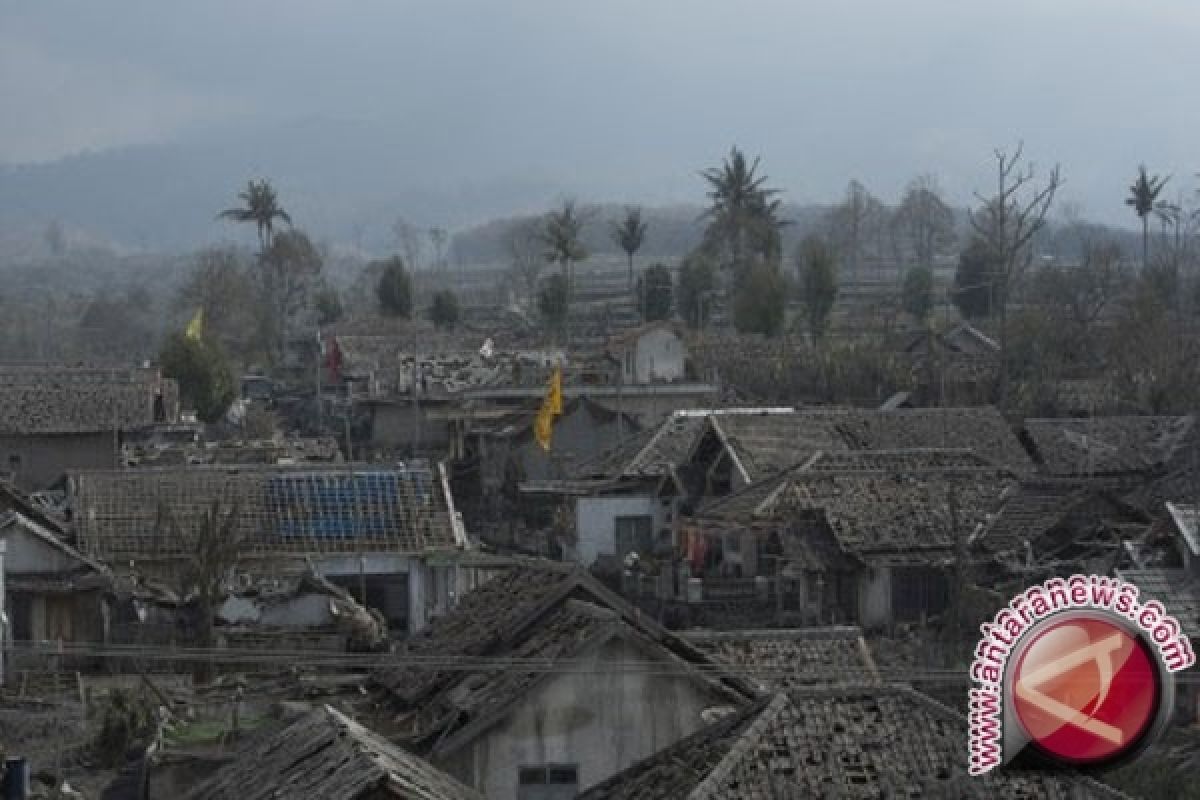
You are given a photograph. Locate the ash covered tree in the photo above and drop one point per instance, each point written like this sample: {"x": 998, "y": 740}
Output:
{"x": 975, "y": 279}
{"x": 918, "y": 292}
{"x": 818, "y": 282}
{"x": 760, "y": 300}
{"x": 629, "y": 233}
{"x": 204, "y": 377}
{"x": 655, "y": 293}
{"x": 260, "y": 206}
{"x": 394, "y": 288}
{"x": 697, "y": 282}
{"x": 743, "y": 215}
{"x": 553, "y": 303}
{"x": 561, "y": 237}
{"x": 444, "y": 311}
{"x": 1143, "y": 198}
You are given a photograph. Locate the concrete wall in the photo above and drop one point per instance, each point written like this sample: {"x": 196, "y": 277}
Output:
{"x": 43, "y": 459}
{"x": 659, "y": 356}
{"x": 27, "y": 554}
{"x": 392, "y": 427}
{"x": 595, "y": 523}
{"x": 604, "y": 721}
{"x": 578, "y": 436}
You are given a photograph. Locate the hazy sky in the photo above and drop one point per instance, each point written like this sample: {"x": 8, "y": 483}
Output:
{"x": 631, "y": 97}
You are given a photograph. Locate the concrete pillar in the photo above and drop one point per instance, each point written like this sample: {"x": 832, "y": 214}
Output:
{"x": 418, "y": 582}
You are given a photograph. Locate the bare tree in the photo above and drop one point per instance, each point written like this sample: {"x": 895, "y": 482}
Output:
{"x": 438, "y": 238}
{"x": 852, "y": 223}
{"x": 1007, "y": 224}
{"x": 213, "y": 548}
{"x": 924, "y": 221}
{"x": 409, "y": 240}
{"x": 525, "y": 255}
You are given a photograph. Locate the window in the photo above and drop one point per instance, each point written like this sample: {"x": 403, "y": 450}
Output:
{"x": 634, "y": 535}
{"x": 548, "y": 782}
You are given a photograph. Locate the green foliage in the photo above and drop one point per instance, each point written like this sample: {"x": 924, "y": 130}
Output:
{"x": 697, "y": 280}
{"x": 127, "y": 718}
{"x": 261, "y": 207}
{"x": 760, "y": 301}
{"x": 743, "y": 214}
{"x": 560, "y": 236}
{"x": 818, "y": 282}
{"x": 328, "y": 303}
{"x": 918, "y": 292}
{"x": 203, "y": 373}
{"x": 444, "y": 310}
{"x": 654, "y": 293}
{"x": 976, "y": 291}
{"x": 552, "y": 301}
{"x": 629, "y": 234}
{"x": 221, "y": 283}
{"x": 394, "y": 289}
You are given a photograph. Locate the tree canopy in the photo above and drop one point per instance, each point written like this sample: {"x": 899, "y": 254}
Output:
{"x": 443, "y": 311}
{"x": 743, "y": 214}
{"x": 655, "y": 293}
{"x": 818, "y": 282}
{"x": 204, "y": 377}
{"x": 260, "y": 206}
{"x": 918, "y": 292}
{"x": 394, "y": 289}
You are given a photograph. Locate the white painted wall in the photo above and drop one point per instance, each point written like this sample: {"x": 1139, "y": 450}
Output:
{"x": 658, "y": 356}
{"x": 595, "y": 523}
{"x": 604, "y": 720}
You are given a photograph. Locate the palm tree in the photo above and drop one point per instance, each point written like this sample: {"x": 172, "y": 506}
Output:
{"x": 743, "y": 212}
{"x": 629, "y": 234}
{"x": 560, "y": 236}
{"x": 260, "y": 206}
{"x": 1142, "y": 197}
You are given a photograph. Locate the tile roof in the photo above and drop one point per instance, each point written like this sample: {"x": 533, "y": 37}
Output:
{"x": 58, "y": 406}
{"x": 898, "y": 517}
{"x": 756, "y": 498}
{"x": 327, "y": 756}
{"x": 1105, "y": 445}
{"x": 118, "y": 515}
{"x": 844, "y": 742}
{"x": 765, "y": 443}
{"x": 1174, "y": 588}
{"x": 779, "y": 660}
{"x": 449, "y": 366}
{"x": 529, "y": 614}
{"x": 1034, "y": 507}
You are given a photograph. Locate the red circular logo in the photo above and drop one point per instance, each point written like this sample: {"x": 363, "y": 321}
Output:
{"x": 1085, "y": 690}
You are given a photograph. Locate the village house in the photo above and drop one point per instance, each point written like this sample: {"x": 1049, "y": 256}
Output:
{"x": 51, "y": 592}
{"x": 652, "y": 353}
{"x": 865, "y": 741}
{"x": 738, "y": 449}
{"x": 389, "y": 535}
{"x": 58, "y": 418}
{"x": 864, "y": 537}
{"x": 325, "y": 755}
{"x": 1047, "y": 526}
{"x": 955, "y": 366}
{"x": 525, "y": 733}
{"x": 1128, "y": 449}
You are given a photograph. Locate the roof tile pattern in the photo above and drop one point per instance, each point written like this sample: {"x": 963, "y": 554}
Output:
{"x": 779, "y": 660}
{"x": 327, "y": 756}
{"x": 851, "y": 743}
{"x": 1106, "y": 445}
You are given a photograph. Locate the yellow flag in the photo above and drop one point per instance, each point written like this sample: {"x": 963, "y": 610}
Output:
{"x": 543, "y": 427}
{"x": 195, "y": 328}
{"x": 543, "y": 423}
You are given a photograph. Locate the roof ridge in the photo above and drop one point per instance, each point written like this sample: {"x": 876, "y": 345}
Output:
{"x": 710, "y": 787}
